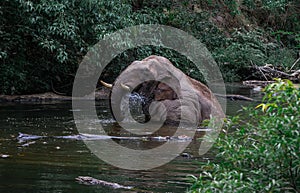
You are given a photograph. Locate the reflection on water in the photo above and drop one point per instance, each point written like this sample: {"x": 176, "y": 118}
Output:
{"x": 235, "y": 88}
{"x": 50, "y": 161}
{"x": 47, "y": 162}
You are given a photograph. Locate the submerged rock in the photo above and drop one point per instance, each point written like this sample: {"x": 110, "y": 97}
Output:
{"x": 87, "y": 180}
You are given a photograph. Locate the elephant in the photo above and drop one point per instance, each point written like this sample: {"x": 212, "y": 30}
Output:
{"x": 170, "y": 95}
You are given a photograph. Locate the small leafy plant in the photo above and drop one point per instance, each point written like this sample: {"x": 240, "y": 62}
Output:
{"x": 261, "y": 155}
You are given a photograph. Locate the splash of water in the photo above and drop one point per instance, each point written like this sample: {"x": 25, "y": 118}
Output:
{"x": 135, "y": 101}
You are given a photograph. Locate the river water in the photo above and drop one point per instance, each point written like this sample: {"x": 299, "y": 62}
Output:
{"x": 51, "y": 161}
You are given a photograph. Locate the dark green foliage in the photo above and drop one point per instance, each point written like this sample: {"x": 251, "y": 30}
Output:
{"x": 261, "y": 155}
{"x": 277, "y": 14}
{"x": 43, "y": 42}
{"x": 123, "y": 60}
{"x": 245, "y": 49}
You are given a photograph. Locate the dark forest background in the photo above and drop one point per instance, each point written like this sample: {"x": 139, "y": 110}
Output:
{"x": 43, "y": 42}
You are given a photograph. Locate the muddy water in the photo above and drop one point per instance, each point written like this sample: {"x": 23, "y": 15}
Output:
{"x": 50, "y": 163}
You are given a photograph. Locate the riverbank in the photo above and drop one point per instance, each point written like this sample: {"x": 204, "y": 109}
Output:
{"x": 235, "y": 91}
{"x": 100, "y": 94}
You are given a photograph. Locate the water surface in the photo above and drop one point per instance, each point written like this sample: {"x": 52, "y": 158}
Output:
{"x": 51, "y": 164}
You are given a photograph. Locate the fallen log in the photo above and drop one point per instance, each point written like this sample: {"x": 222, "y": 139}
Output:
{"x": 235, "y": 97}
{"x": 256, "y": 83}
{"x": 272, "y": 72}
{"x": 269, "y": 72}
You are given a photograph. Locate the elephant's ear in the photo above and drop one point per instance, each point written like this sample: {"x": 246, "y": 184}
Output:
{"x": 163, "y": 76}
{"x": 171, "y": 80}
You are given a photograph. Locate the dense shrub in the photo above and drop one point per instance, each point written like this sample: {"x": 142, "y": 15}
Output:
{"x": 261, "y": 155}
{"x": 42, "y": 42}
{"x": 244, "y": 50}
